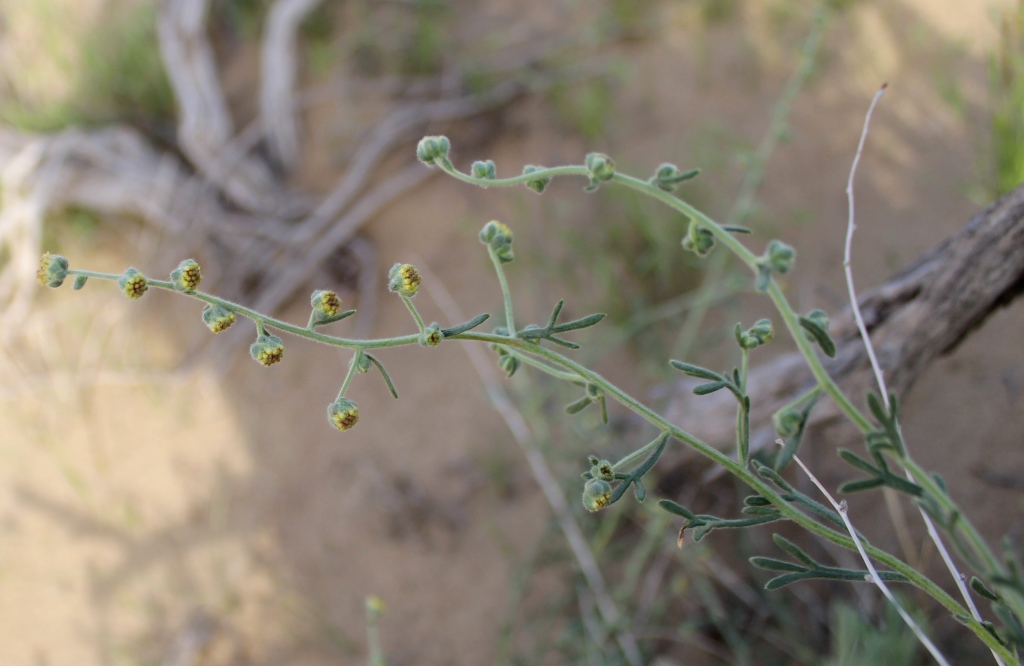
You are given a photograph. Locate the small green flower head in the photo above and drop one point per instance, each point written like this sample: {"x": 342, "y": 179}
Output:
{"x": 779, "y": 256}
{"x": 343, "y": 414}
{"x": 362, "y": 362}
{"x": 218, "y": 318}
{"x": 759, "y": 334}
{"x": 267, "y": 350}
{"x": 432, "y": 149}
{"x": 498, "y": 237}
{"x": 601, "y": 469}
{"x": 698, "y": 240}
{"x": 787, "y": 422}
{"x": 538, "y": 185}
{"x": 431, "y": 335}
{"x": 600, "y": 166}
{"x": 53, "y": 270}
{"x": 325, "y": 303}
{"x": 404, "y": 279}
{"x": 484, "y": 170}
{"x": 133, "y": 284}
{"x": 186, "y": 277}
{"x": 668, "y": 177}
{"x": 597, "y": 494}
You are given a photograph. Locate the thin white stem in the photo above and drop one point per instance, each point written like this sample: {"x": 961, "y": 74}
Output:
{"x": 842, "y": 510}
{"x": 851, "y": 225}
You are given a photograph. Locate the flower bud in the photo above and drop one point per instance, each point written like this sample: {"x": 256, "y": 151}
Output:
{"x": 325, "y": 303}
{"x": 267, "y": 350}
{"x": 597, "y": 494}
{"x": 430, "y": 149}
{"x": 779, "y": 256}
{"x": 698, "y": 240}
{"x": 362, "y": 362}
{"x": 484, "y": 170}
{"x": 133, "y": 284}
{"x": 343, "y": 414}
{"x": 374, "y": 607}
{"x": 186, "y": 277}
{"x": 431, "y": 335}
{"x": 601, "y": 469}
{"x": 218, "y": 318}
{"x": 53, "y": 270}
{"x": 787, "y": 422}
{"x": 668, "y": 177}
{"x": 600, "y": 166}
{"x": 760, "y": 333}
{"x": 538, "y": 185}
{"x": 498, "y": 237}
{"x": 404, "y": 279}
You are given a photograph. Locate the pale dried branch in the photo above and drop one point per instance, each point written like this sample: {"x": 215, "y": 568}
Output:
{"x": 921, "y": 313}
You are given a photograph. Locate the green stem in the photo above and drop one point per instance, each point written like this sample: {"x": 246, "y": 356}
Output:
{"x": 742, "y": 413}
{"x": 506, "y": 293}
{"x": 753, "y": 481}
{"x": 348, "y": 376}
{"x": 268, "y": 321}
{"x": 415, "y": 313}
{"x": 545, "y": 368}
{"x": 637, "y": 456}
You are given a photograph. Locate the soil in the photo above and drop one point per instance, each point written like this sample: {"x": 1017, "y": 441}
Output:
{"x": 143, "y": 506}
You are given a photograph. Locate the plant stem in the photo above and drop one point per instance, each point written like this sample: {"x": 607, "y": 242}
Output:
{"x": 415, "y": 313}
{"x": 506, "y": 293}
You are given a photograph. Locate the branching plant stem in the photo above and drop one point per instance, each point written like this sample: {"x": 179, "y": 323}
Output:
{"x": 563, "y": 367}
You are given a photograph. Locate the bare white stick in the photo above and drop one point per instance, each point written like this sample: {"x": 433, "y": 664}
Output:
{"x": 541, "y": 473}
{"x": 842, "y": 510}
{"x": 851, "y": 225}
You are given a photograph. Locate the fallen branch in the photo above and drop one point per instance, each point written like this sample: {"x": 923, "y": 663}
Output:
{"x": 921, "y": 313}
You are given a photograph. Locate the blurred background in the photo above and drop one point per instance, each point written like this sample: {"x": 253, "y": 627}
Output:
{"x": 165, "y": 500}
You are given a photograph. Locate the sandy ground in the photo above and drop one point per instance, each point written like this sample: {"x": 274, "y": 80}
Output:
{"x": 139, "y": 506}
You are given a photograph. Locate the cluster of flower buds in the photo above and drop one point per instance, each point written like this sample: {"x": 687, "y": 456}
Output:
{"x": 601, "y": 168}
{"x": 777, "y": 258}
{"x": 433, "y": 149}
{"x": 325, "y": 304}
{"x": 484, "y": 169}
{"x": 698, "y": 240}
{"x": 759, "y": 334}
{"x": 267, "y": 350}
{"x": 668, "y": 177}
{"x": 187, "y": 276}
{"x": 431, "y": 335}
{"x": 218, "y": 318}
{"x": 133, "y": 284}
{"x": 404, "y": 279}
{"x": 498, "y": 237}
{"x": 538, "y": 184}
{"x": 343, "y": 414}
{"x": 53, "y": 270}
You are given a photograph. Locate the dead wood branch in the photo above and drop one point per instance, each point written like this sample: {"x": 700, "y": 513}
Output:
{"x": 279, "y": 68}
{"x": 205, "y": 128}
{"x": 921, "y": 313}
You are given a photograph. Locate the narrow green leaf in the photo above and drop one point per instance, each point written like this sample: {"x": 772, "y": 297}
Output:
{"x": 677, "y": 509}
{"x": 766, "y": 472}
{"x": 578, "y": 406}
{"x": 794, "y": 550}
{"x": 756, "y": 500}
{"x": 852, "y": 458}
{"x": 860, "y": 485}
{"x": 697, "y": 371}
{"x": 735, "y": 229}
{"x": 820, "y": 335}
{"x": 772, "y": 564}
{"x": 653, "y": 458}
{"x": 384, "y": 374}
{"x": 79, "y": 282}
{"x": 711, "y": 387}
{"x": 330, "y": 320}
{"x": 462, "y": 328}
{"x": 982, "y": 589}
